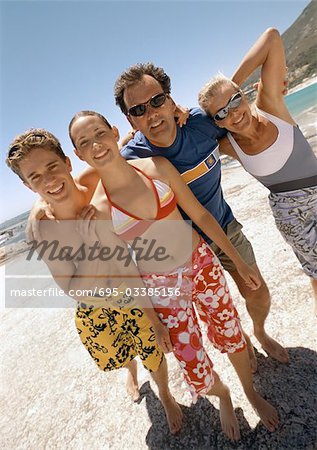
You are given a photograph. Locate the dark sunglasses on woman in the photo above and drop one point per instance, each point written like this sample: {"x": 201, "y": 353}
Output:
{"x": 234, "y": 102}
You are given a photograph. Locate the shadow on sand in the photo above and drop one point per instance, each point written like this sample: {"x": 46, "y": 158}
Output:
{"x": 292, "y": 389}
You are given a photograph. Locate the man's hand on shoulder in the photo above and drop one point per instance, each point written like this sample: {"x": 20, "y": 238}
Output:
{"x": 181, "y": 115}
{"x": 86, "y": 225}
{"x": 130, "y": 135}
{"x": 40, "y": 211}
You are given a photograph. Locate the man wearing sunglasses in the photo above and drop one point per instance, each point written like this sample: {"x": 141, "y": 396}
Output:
{"x": 143, "y": 94}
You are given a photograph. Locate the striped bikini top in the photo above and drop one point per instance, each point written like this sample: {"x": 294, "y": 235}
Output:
{"x": 128, "y": 226}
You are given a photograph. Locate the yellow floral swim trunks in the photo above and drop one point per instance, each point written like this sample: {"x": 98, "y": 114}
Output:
{"x": 117, "y": 332}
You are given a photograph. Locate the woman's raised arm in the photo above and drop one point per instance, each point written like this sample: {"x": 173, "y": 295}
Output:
{"x": 267, "y": 53}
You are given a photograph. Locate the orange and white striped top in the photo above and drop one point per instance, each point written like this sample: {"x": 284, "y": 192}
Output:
{"x": 128, "y": 226}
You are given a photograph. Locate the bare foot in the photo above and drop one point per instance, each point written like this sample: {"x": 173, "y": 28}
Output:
{"x": 173, "y": 413}
{"x": 273, "y": 348}
{"x": 228, "y": 419}
{"x": 265, "y": 411}
{"x": 133, "y": 389}
{"x": 132, "y": 381}
{"x": 251, "y": 353}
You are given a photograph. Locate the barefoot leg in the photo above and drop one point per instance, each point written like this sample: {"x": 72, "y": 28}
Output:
{"x": 266, "y": 412}
{"x": 132, "y": 380}
{"x": 172, "y": 409}
{"x": 272, "y": 348}
{"x": 228, "y": 420}
{"x": 251, "y": 353}
{"x": 258, "y": 305}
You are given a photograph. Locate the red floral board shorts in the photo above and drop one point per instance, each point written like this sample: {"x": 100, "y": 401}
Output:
{"x": 200, "y": 281}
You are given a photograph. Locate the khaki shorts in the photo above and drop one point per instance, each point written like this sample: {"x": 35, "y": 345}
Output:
{"x": 240, "y": 242}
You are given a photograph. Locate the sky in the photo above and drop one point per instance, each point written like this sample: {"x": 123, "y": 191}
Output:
{"x": 60, "y": 57}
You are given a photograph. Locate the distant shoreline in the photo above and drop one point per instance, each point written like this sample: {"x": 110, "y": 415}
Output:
{"x": 251, "y": 92}
{"x": 302, "y": 85}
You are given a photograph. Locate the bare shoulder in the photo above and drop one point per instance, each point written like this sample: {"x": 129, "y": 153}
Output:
{"x": 277, "y": 107}
{"x": 88, "y": 177}
{"x": 100, "y": 202}
{"x": 87, "y": 189}
{"x": 141, "y": 163}
{"x": 226, "y": 148}
{"x": 156, "y": 167}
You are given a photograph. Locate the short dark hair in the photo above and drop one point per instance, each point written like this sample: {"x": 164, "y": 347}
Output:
{"x": 31, "y": 139}
{"x": 134, "y": 74}
{"x": 85, "y": 114}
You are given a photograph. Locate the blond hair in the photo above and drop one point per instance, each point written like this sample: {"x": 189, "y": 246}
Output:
{"x": 211, "y": 89}
{"x": 31, "y": 139}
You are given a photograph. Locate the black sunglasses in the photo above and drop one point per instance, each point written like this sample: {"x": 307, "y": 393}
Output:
{"x": 234, "y": 102}
{"x": 156, "y": 101}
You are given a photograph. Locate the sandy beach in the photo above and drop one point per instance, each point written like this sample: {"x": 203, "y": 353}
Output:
{"x": 54, "y": 397}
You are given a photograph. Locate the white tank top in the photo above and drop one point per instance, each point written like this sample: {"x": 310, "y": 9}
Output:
{"x": 288, "y": 164}
{"x": 272, "y": 158}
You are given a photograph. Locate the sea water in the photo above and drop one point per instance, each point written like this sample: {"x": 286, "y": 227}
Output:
{"x": 302, "y": 100}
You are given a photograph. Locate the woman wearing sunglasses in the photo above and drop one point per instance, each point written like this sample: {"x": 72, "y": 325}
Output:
{"x": 270, "y": 146}
{"x": 140, "y": 198}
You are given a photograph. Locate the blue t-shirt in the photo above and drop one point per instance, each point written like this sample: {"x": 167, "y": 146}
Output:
{"x": 195, "y": 153}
